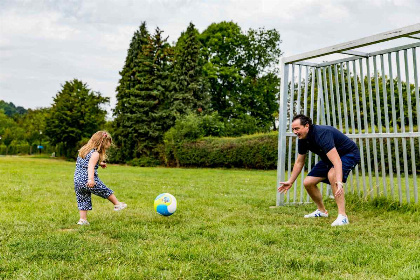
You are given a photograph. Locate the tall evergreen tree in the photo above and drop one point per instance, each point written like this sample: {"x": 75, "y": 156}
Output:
{"x": 143, "y": 110}
{"x": 190, "y": 90}
{"x": 155, "y": 112}
{"x": 127, "y": 91}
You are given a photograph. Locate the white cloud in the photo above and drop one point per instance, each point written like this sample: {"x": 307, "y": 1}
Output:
{"x": 45, "y": 43}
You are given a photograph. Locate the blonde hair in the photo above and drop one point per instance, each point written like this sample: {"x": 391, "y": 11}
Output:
{"x": 100, "y": 141}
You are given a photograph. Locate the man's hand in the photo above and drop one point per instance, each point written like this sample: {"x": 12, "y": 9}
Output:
{"x": 340, "y": 189}
{"x": 284, "y": 186}
{"x": 102, "y": 164}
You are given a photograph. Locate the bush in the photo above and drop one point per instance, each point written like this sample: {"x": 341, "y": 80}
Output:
{"x": 260, "y": 151}
{"x": 242, "y": 126}
{"x": 253, "y": 151}
{"x": 25, "y": 149}
{"x": 144, "y": 162}
{"x": 188, "y": 128}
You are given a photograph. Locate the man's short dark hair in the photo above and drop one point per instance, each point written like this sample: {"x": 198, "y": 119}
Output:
{"x": 304, "y": 120}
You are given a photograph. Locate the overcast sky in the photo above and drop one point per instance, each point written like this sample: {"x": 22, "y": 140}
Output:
{"x": 45, "y": 43}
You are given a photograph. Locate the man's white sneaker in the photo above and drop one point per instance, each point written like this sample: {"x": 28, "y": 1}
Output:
{"x": 83, "y": 222}
{"x": 317, "y": 214}
{"x": 120, "y": 206}
{"x": 341, "y": 221}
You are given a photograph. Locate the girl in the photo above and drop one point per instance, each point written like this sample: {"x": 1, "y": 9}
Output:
{"x": 86, "y": 179}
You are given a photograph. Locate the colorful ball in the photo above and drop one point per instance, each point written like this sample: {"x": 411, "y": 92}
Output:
{"x": 165, "y": 204}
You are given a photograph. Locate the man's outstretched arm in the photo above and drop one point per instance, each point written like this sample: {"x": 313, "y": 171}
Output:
{"x": 297, "y": 168}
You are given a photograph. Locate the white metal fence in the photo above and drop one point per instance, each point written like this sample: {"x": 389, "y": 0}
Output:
{"x": 371, "y": 97}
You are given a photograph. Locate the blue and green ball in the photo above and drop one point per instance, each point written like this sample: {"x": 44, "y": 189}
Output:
{"x": 165, "y": 204}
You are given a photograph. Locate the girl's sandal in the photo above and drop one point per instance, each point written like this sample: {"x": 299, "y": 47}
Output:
{"x": 83, "y": 222}
{"x": 120, "y": 206}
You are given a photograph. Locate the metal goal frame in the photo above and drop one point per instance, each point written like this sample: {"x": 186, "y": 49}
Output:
{"x": 346, "y": 94}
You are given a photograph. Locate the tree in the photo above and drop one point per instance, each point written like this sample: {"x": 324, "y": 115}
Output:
{"x": 242, "y": 71}
{"x": 131, "y": 84}
{"x": 156, "y": 111}
{"x": 75, "y": 114}
{"x": 5, "y": 122}
{"x": 7, "y": 138}
{"x": 222, "y": 43}
{"x": 33, "y": 123}
{"x": 259, "y": 89}
{"x": 10, "y": 109}
{"x": 7, "y": 125}
{"x": 190, "y": 90}
{"x": 143, "y": 113}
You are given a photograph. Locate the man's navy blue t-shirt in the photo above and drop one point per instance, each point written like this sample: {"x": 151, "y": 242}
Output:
{"x": 321, "y": 139}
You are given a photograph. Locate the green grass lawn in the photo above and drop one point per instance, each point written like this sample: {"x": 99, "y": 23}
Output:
{"x": 355, "y": 185}
{"x": 224, "y": 228}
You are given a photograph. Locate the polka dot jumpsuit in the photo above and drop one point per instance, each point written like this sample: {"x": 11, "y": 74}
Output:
{"x": 83, "y": 192}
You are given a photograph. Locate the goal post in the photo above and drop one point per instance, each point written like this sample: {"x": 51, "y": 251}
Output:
{"x": 373, "y": 98}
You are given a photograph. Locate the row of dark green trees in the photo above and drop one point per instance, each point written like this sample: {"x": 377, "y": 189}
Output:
{"x": 224, "y": 74}
{"x": 220, "y": 82}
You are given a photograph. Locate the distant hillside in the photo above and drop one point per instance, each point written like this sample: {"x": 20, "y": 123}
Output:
{"x": 10, "y": 109}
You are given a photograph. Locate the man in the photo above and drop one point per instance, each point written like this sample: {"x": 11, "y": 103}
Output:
{"x": 339, "y": 155}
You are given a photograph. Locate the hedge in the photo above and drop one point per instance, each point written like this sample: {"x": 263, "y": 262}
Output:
{"x": 259, "y": 151}
{"x": 25, "y": 149}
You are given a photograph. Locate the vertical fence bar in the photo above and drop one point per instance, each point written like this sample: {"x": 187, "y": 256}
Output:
{"x": 378, "y": 113}
{"x": 372, "y": 126}
{"x": 297, "y": 112}
{"x": 394, "y": 122}
{"x": 416, "y": 91}
{"x": 343, "y": 92}
{"x": 298, "y": 107}
{"x": 289, "y": 164}
{"x": 410, "y": 124}
{"x": 388, "y": 141}
{"x": 327, "y": 100}
{"x": 332, "y": 96}
{"x": 402, "y": 117}
{"x": 320, "y": 111}
{"x": 350, "y": 91}
{"x": 416, "y": 94}
{"x": 302, "y": 176}
{"x": 305, "y": 98}
{"x": 311, "y": 110}
{"x": 365, "y": 113}
{"x": 292, "y": 96}
{"x": 359, "y": 128}
{"x": 351, "y": 108}
{"x": 281, "y": 164}
{"x": 337, "y": 92}
{"x": 311, "y": 115}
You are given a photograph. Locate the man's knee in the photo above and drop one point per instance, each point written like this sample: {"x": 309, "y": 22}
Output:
{"x": 309, "y": 182}
{"x": 331, "y": 175}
